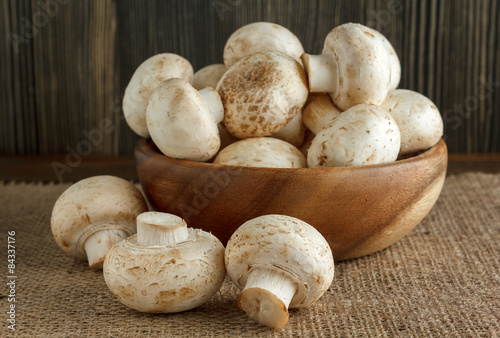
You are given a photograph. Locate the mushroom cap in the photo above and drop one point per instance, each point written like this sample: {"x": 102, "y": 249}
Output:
{"x": 208, "y": 76}
{"x": 180, "y": 122}
{"x": 261, "y": 93}
{"x": 261, "y": 152}
{"x": 363, "y": 65}
{"x": 146, "y": 78}
{"x": 417, "y": 117}
{"x": 285, "y": 243}
{"x": 165, "y": 279}
{"x": 393, "y": 60}
{"x": 361, "y": 135}
{"x": 91, "y": 205}
{"x": 293, "y": 132}
{"x": 260, "y": 37}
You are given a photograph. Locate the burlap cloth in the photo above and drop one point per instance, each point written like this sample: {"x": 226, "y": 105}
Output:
{"x": 441, "y": 280}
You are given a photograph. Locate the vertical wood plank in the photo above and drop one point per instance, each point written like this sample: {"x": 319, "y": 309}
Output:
{"x": 21, "y": 127}
{"x": 7, "y": 135}
{"x": 76, "y": 78}
{"x": 494, "y": 53}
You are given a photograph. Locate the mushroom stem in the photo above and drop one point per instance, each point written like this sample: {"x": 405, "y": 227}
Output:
{"x": 266, "y": 297}
{"x": 98, "y": 244}
{"x": 160, "y": 229}
{"x": 214, "y": 103}
{"x": 319, "y": 113}
{"x": 321, "y": 72}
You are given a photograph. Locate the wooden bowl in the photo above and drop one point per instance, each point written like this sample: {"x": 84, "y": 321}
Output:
{"x": 359, "y": 210}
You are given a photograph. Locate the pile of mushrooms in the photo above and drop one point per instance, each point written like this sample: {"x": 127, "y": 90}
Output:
{"x": 269, "y": 105}
{"x": 269, "y": 89}
{"x": 152, "y": 262}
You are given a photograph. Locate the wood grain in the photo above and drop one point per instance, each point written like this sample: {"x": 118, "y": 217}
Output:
{"x": 73, "y": 65}
{"x": 40, "y": 168}
{"x": 359, "y": 210}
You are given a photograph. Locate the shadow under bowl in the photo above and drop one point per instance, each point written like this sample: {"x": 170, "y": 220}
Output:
{"x": 359, "y": 210}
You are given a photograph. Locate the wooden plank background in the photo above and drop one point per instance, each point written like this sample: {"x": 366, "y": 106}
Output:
{"x": 65, "y": 63}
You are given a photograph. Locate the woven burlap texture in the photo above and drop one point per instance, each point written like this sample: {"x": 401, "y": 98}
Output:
{"x": 441, "y": 280}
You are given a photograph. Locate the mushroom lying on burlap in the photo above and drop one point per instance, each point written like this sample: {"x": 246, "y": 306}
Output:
{"x": 354, "y": 67}
{"x": 262, "y": 93}
{"x": 261, "y": 152}
{"x": 261, "y": 37}
{"x": 361, "y": 135}
{"x": 166, "y": 267}
{"x": 146, "y": 78}
{"x": 418, "y": 119}
{"x": 94, "y": 214}
{"x": 183, "y": 121}
{"x": 279, "y": 262}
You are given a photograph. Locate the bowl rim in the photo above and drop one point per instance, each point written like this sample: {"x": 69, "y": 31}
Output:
{"x": 148, "y": 147}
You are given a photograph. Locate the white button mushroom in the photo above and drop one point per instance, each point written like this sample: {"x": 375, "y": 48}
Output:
{"x": 94, "y": 214}
{"x": 393, "y": 60}
{"x": 166, "y": 267}
{"x": 354, "y": 67}
{"x": 208, "y": 76}
{"x": 293, "y": 132}
{"x": 279, "y": 262}
{"x": 261, "y": 152}
{"x": 262, "y": 93}
{"x": 361, "y": 135}
{"x": 417, "y": 117}
{"x": 181, "y": 120}
{"x": 319, "y": 113}
{"x": 261, "y": 37}
{"x": 146, "y": 78}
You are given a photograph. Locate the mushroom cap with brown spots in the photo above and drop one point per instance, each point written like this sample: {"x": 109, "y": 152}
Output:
{"x": 165, "y": 279}
{"x": 287, "y": 244}
{"x": 94, "y": 204}
{"x": 361, "y": 135}
{"x": 262, "y": 93}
